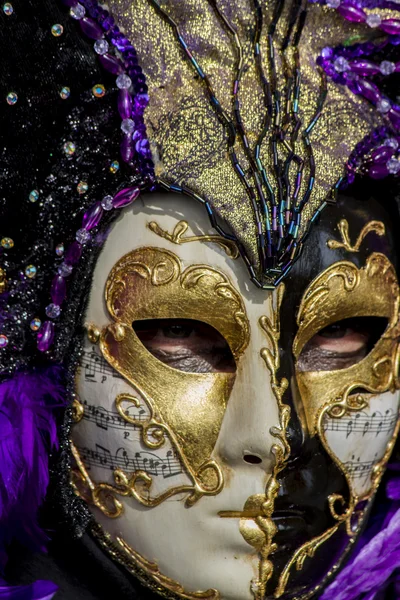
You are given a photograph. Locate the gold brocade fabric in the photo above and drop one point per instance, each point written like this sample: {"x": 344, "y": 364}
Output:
{"x": 189, "y": 143}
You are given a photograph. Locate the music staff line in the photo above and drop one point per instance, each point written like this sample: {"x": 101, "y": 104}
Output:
{"x": 362, "y": 423}
{"x": 105, "y": 419}
{"x": 141, "y": 461}
{"x": 93, "y": 363}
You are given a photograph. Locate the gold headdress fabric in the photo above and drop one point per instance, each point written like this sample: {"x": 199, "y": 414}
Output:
{"x": 275, "y": 111}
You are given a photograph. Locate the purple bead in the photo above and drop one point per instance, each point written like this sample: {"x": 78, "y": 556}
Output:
{"x": 352, "y": 13}
{"x": 90, "y": 28}
{"x": 369, "y": 90}
{"x": 391, "y": 26}
{"x": 363, "y": 67}
{"x": 126, "y": 149}
{"x": 327, "y": 52}
{"x": 382, "y": 154}
{"x": 73, "y": 253}
{"x": 92, "y": 216}
{"x": 378, "y": 171}
{"x": 394, "y": 116}
{"x": 124, "y": 104}
{"x": 125, "y": 197}
{"x": 143, "y": 148}
{"x": 45, "y": 336}
{"x": 111, "y": 64}
{"x": 58, "y": 290}
{"x": 141, "y": 101}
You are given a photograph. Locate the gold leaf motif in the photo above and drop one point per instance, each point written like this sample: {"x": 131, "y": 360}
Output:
{"x": 373, "y": 226}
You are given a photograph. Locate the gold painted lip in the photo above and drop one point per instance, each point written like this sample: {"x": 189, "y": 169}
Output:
{"x": 240, "y": 514}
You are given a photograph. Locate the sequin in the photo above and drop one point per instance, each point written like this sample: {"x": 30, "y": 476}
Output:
{"x": 114, "y": 167}
{"x": 82, "y": 187}
{"x": 34, "y": 196}
{"x": 8, "y": 9}
{"x": 3, "y": 340}
{"x": 35, "y": 324}
{"x": 107, "y": 203}
{"x": 7, "y": 243}
{"x": 12, "y": 98}
{"x": 53, "y": 311}
{"x": 101, "y": 46}
{"x": 31, "y": 271}
{"x": 57, "y": 30}
{"x": 65, "y": 93}
{"x": 98, "y": 90}
{"x": 60, "y": 249}
{"x": 69, "y": 148}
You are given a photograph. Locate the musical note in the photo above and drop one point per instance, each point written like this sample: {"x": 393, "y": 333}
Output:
{"x": 363, "y": 423}
{"x": 93, "y": 364}
{"x": 143, "y": 461}
{"x": 108, "y": 419}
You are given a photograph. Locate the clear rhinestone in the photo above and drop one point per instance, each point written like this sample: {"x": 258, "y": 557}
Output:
{"x": 57, "y": 30}
{"x": 123, "y": 81}
{"x": 35, "y": 324}
{"x": 128, "y": 126}
{"x": 82, "y": 236}
{"x": 12, "y": 98}
{"x": 60, "y": 249}
{"x": 383, "y": 106}
{"x": 7, "y": 243}
{"x": 53, "y": 311}
{"x": 8, "y": 9}
{"x": 3, "y": 341}
{"x": 31, "y": 271}
{"x": 98, "y": 90}
{"x": 77, "y": 12}
{"x": 387, "y": 67}
{"x": 114, "y": 167}
{"x": 101, "y": 46}
{"x": 107, "y": 203}
{"x": 34, "y": 196}
{"x": 393, "y": 166}
{"x": 82, "y": 187}
{"x": 340, "y": 64}
{"x": 64, "y": 270}
{"x": 69, "y": 148}
{"x": 391, "y": 142}
{"x": 333, "y": 3}
{"x": 373, "y": 20}
{"x": 65, "y": 92}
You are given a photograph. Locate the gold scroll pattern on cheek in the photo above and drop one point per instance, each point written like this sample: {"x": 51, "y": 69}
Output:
{"x": 188, "y": 408}
{"x": 373, "y": 226}
{"x": 258, "y": 528}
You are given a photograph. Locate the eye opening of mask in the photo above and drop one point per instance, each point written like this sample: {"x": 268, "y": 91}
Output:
{"x": 341, "y": 344}
{"x": 186, "y": 345}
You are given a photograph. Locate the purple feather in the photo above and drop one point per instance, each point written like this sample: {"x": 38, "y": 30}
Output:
{"x": 28, "y": 432}
{"x": 40, "y": 590}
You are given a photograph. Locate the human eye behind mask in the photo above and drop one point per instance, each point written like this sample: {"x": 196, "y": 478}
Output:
{"x": 186, "y": 345}
{"x": 341, "y": 344}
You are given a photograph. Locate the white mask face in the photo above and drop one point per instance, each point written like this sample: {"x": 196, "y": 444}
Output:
{"x": 181, "y": 464}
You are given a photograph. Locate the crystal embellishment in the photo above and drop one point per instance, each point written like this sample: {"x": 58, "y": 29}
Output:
{"x": 65, "y": 93}
{"x": 77, "y": 12}
{"x": 57, "y": 30}
{"x": 31, "y": 271}
{"x": 35, "y": 324}
{"x": 82, "y": 236}
{"x": 373, "y": 20}
{"x": 34, "y": 196}
{"x": 12, "y": 98}
{"x": 107, "y": 203}
{"x": 341, "y": 64}
{"x": 392, "y": 143}
{"x": 101, "y": 47}
{"x": 393, "y": 166}
{"x": 60, "y": 249}
{"x": 8, "y": 9}
{"x": 114, "y": 167}
{"x": 383, "y": 106}
{"x": 82, "y": 187}
{"x": 7, "y": 243}
{"x": 69, "y": 148}
{"x": 387, "y": 67}
{"x": 98, "y": 90}
{"x": 123, "y": 82}
{"x": 53, "y": 311}
{"x": 3, "y": 341}
{"x": 64, "y": 270}
{"x": 128, "y": 126}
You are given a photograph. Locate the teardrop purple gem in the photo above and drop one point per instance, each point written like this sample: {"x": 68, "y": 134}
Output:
{"x": 90, "y": 28}
{"x": 92, "y": 216}
{"x": 352, "y": 13}
{"x": 45, "y": 336}
{"x": 378, "y": 171}
{"x": 394, "y": 116}
{"x": 125, "y": 197}
{"x": 58, "y": 290}
{"x": 369, "y": 90}
{"x": 125, "y": 104}
{"x": 111, "y": 64}
{"x": 391, "y": 26}
{"x": 382, "y": 154}
{"x": 126, "y": 148}
{"x": 73, "y": 253}
{"x": 363, "y": 67}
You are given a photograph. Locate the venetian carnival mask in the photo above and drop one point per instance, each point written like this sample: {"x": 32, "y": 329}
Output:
{"x": 230, "y": 439}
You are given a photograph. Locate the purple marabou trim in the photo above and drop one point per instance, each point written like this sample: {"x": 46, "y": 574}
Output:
{"x": 40, "y": 590}
{"x": 28, "y": 432}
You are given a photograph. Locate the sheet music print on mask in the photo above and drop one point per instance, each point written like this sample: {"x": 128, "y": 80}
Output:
{"x": 359, "y": 439}
{"x": 106, "y": 441}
